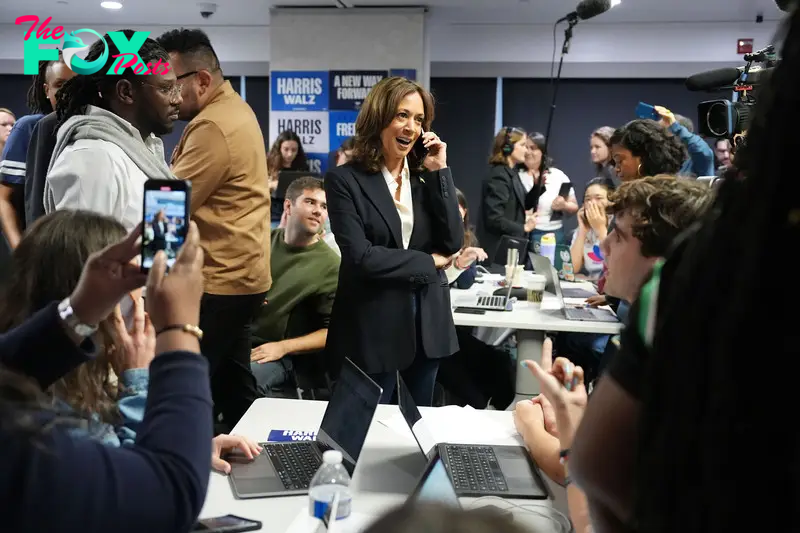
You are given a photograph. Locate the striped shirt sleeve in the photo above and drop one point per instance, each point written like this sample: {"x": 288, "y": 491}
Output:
{"x": 15, "y": 153}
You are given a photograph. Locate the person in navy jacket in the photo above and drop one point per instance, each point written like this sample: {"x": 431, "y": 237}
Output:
{"x": 394, "y": 212}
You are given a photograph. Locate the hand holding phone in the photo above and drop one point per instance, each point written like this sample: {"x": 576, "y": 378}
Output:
{"x": 419, "y": 151}
{"x": 646, "y": 111}
{"x": 165, "y": 219}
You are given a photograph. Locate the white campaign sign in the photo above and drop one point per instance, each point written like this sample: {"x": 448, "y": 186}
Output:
{"x": 311, "y": 126}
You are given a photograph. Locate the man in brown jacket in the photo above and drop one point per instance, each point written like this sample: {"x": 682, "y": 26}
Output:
{"x": 222, "y": 153}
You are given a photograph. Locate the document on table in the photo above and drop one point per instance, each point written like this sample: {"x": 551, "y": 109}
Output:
{"x": 455, "y": 424}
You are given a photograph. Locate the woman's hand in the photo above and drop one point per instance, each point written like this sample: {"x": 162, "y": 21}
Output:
{"x": 107, "y": 277}
{"x": 563, "y": 387}
{"x": 437, "y": 151}
{"x": 273, "y": 185}
{"x": 530, "y": 221}
{"x": 225, "y": 444}
{"x": 135, "y": 348}
{"x": 559, "y": 203}
{"x": 469, "y": 256}
{"x": 597, "y": 300}
{"x": 442, "y": 262}
{"x": 596, "y": 213}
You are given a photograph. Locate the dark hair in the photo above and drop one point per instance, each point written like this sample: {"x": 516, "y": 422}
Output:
{"x": 275, "y": 159}
{"x": 347, "y": 144}
{"x": 38, "y": 102}
{"x": 97, "y": 89}
{"x": 540, "y": 141}
{"x": 194, "y": 47}
{"x": 436, "y": 518}
{"x": 46, "y": 267}
{"x": 603, "y": 182}
{"x": 305, "y": 183}
{"x": 661, "y": 207}
{"x": 470, "y": 239}
{"x": 659, "y": 150}
{"x": 700, "y": 442}
{"x": 377, "y": 112}
{"x": 604, "y": 133}
{"x": 507, "y": 134}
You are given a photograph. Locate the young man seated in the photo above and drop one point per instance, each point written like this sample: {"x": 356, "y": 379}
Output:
{"x": 305, "y": 273}
{"x": 650, "y": 214}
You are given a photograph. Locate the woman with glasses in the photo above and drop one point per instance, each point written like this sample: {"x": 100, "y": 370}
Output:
{"x": 108, "y": 141}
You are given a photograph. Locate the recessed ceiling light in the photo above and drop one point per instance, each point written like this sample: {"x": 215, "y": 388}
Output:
{"x": 111, "y": 5}
{"x": 615, "y": 3}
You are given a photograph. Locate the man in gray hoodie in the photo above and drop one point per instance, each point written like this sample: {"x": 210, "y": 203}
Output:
{"x": 108, "y": 141}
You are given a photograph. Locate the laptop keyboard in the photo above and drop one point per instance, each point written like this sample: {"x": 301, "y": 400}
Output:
{"x": 580, "y": 313}
{"x": 491, "y": 301}
{"x": 475, "y": 469}
{"x": 295, "y": 463}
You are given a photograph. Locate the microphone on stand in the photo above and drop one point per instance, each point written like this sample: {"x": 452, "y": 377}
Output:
{"x": 585, "y": 10}
{"x": 588, "y": 9}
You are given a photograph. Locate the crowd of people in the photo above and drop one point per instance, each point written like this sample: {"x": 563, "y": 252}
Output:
{"x": 109, "y": 399}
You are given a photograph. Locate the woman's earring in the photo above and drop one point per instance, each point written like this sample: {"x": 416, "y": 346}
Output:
{"x": 639, "y": 170}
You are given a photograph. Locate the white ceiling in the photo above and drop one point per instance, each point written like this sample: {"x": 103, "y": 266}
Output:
{"x": 256, "y": 12}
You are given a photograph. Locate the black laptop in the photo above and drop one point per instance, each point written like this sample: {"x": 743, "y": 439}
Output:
{"x": 286, "y": 468}
{"x": 476, "y": 470}
{"x": 435, "y": 486}
{"x": 286, "y": 177}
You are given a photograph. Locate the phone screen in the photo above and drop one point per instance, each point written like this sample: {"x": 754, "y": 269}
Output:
{"x": 419, "y": 151}
{"x": 166, "y": 220}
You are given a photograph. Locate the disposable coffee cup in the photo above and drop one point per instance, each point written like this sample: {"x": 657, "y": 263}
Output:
{"x": 535, "y": 289}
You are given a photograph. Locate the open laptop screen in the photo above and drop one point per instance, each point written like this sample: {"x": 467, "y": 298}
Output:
{"x": 435, "y": 486}
{"x": 349, "y": 414}
{"x": 413, "y": 417}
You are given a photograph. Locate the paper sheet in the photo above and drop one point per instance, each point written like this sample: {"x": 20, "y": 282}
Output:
{"x": 455, "y": 424}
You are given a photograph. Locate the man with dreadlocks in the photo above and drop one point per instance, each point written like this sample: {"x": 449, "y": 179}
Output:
{"x": 41, "y": 100}
{"x": 692, "y": 428}
{"x": 108, "y": 141}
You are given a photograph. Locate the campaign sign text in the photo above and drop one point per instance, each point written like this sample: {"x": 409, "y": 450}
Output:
{"x": 289, "y": 435}
{"x": 299, "y": 91}
{"x": 310, "y": 126}
{"x": 349, "y": 88}
{"x": 343, "y": 125}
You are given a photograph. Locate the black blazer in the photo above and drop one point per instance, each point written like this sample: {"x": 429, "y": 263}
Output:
{"x": 504, "y": 204}
{"x": 372, "y": 321}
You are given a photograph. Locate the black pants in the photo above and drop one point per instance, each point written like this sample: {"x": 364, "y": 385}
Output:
{"x": 225, "y": 321}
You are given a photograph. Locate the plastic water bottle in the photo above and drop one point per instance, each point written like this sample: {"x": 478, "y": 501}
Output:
{"x": 330, "y": 479}
{"x": 548, "y": 247}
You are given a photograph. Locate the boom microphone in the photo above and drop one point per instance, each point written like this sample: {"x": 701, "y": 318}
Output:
{"x": 713, "y": 79}
{"x": 588, "y": 9}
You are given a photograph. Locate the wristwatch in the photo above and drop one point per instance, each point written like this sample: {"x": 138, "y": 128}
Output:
{"x": 67, "y": 314}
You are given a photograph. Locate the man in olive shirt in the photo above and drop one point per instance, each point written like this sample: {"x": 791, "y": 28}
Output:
{"x": 222, "y": 153}
{"x": 294, "y": 317}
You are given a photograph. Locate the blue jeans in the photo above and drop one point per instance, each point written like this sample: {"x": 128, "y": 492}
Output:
{"x": 420, "y": 377}
{"x": 272, "y": 376}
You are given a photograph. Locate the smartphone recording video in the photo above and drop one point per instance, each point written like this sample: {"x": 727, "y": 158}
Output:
{"x": 166, "y": 219}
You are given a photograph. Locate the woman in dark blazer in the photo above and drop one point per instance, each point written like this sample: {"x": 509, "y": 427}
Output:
{"x": 395, "y": 216}
{"x": 506, "y": 202}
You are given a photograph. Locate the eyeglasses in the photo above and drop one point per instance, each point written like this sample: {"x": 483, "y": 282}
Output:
{"x": 171, "y": 92}
{"x": 193, "y": 72}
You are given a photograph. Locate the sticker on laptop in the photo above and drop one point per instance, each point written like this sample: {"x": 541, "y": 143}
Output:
{"x": 289, "y": 435}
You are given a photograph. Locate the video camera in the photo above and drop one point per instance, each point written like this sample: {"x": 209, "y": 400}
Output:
{"x": 725, "y": 119}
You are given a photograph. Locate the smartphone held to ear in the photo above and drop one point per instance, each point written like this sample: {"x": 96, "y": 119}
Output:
{"x": 419, "y": 152}
{"x": 165, "y": 219}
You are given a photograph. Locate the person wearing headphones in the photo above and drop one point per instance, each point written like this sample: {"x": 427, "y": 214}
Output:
{"x": 506, "y": 203}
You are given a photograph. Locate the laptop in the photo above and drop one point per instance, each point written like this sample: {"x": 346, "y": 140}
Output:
{"x": 475, "y": 470}
{"x": 435, "y": 486}
{"x": 286, "y": 468}
{"x": 543, "y": 266}
{"x": 487, "y": 303}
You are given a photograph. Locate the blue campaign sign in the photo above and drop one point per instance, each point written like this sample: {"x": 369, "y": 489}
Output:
{"x": 289, "y": 435}
{"x": 349, "y": 88}
{"x": 317, "y": 163}
{"x": 409, "y": 73}
{"x": 343, "y": 125}
{"x": 299, "y": 91}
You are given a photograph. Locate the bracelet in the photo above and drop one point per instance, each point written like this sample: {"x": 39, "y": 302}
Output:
{"x": 563, "y": 456}
{"x": 186, "y": 328}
